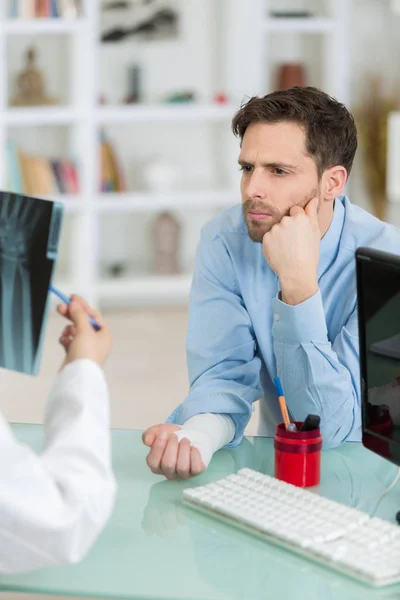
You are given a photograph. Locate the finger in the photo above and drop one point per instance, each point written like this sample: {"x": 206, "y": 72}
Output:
{"x": 62, "y": 309}
{"x": 169, "y": 458}
{"x": 88, "y": 309}
{"x": 155, "y": 455}
{"x": 65, "y": 342}
{"x": 149, "y": 435}
{"x": 296, "y": 210}
{"x": 311, "y": 209}
{"x": 196, "y": 464}
{"x": 79, "y": 317}
{"x": 69, "y": 331}
{"x": 183, "y": 460}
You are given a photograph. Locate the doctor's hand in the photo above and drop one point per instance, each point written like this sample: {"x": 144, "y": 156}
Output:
{"x": 168, "y": 456}
{"x": 291, "y": 248}
{"x": 79, "y": 339}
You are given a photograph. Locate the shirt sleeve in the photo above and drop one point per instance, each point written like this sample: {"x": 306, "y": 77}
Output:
{"x": 54, "y": 506}
{"x": 223, "y": 366}
{"x": 319, "y": 376}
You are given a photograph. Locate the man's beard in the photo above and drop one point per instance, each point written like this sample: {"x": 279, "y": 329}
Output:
{"x": 257, "y": 229}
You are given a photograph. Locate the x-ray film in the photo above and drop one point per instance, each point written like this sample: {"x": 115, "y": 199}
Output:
{"x": 29, "y": 237}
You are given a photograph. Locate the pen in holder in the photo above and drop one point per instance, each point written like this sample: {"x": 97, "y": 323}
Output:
{"x": 298, "y": 455}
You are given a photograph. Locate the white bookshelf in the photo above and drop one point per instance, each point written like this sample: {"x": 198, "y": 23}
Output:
{"x": 42, "y": 26}
{"x": 242, "y": 61}
{"x": 393, "y": 158}
{"x": 300, "y": 25}
{"x": 321, "y": 42}
{"x": 52, "y": 115}
{"x": 167, "y": 113}
{"x": 139, "y": 202}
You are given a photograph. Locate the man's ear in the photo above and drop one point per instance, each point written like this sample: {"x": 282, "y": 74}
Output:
{"x": 333, "y": 181}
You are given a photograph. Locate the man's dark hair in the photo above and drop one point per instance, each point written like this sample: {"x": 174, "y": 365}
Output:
{"x": 330, "y": 130}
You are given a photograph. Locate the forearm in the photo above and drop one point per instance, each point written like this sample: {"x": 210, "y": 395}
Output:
{"x": 315, "y": 380}
{"x": 208, "y": 433}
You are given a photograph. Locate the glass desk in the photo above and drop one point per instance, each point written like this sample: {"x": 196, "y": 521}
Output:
{"x": 155, "y": 548}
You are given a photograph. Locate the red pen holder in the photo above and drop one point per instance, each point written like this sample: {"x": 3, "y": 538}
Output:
{"x": 298, "y": 456}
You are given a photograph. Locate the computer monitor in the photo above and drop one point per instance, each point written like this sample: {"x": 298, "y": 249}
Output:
{"x": 378, "y": 291}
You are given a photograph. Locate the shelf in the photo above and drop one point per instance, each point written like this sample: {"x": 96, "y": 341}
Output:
{"x": 40, "y": 115}
{"x": 162, "y": 112}
{"x": 302, "y": 25}
{"x": 72, "y": 204}
{"x": 125, "y": 202}
{"x": 42, "y": 26}
{"x": 148, "y": 289}
{"x": 393, "y": 158}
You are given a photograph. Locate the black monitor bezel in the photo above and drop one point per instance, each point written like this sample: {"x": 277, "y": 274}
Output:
{"x": 391, "y": 262}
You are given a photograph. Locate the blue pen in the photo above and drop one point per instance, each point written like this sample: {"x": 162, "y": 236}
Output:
{"x": 67, "y": 301}
{"x": 282, "y": 403}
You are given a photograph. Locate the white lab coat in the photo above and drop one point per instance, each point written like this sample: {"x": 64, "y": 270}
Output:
{"x": 53, "y": 506}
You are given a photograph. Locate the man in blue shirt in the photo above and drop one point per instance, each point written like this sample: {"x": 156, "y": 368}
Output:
{"x": 274, "y": 289}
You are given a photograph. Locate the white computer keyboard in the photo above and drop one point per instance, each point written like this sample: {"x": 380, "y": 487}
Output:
{"x": 340, "y": 537}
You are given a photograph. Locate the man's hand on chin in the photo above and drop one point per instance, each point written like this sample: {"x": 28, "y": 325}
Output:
{"x": 291, "y": 249}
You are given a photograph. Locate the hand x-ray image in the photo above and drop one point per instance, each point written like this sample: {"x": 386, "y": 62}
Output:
{"x": 29, "y": 237}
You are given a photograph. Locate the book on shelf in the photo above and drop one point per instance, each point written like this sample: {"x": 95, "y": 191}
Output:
{"x": 39, "y": 176}
{"x": 47, "y": 9}
{"x": 112, "y": 179}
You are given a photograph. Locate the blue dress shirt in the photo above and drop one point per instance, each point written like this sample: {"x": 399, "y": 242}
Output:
{"x": 241, "y": 335}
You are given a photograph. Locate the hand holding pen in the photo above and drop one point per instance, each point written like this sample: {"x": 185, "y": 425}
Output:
{"x": 67, "y": 301}
{"x": 79, "y": 339}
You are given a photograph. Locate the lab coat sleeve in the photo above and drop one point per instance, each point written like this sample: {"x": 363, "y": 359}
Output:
{"x": 54, "y": 506}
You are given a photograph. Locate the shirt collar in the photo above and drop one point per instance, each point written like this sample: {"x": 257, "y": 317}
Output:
{"x": 330, "y": 242}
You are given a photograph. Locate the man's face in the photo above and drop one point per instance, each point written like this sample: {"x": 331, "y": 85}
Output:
{"x": 277, "y": 173}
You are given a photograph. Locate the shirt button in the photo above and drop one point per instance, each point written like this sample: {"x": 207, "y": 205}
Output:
{"x": 276, "y": 317}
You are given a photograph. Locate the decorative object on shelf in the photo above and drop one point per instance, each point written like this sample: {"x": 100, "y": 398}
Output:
{"x": 30, "y": 85}
{"x": 149, "y": 19}
{"x": 39, "y": 176}
{"x": 166, "y": 233}
{"x": 180, "y": 97}
{"x": 116, "y": 269}
{"x": 372, "y": 121}
{"x": 290, "y": 14}
{"x": 134, "y": 94}
{"x": 159, "y": 176}
{"x": 33, "y": 9}
{"x": 221, "y": 98}
{"x": 111, "y": 175}
{"x": 290, "y": 75}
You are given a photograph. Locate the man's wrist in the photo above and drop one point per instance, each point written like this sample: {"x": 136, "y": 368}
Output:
{"x": 294, "y": 293}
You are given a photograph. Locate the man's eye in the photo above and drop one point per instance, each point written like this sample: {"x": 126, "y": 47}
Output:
{"x": 246, "y": 168}
{"x": 279, "y": 172}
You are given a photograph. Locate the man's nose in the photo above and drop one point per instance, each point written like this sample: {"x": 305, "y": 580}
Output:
{"x": 256, "y": 188}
